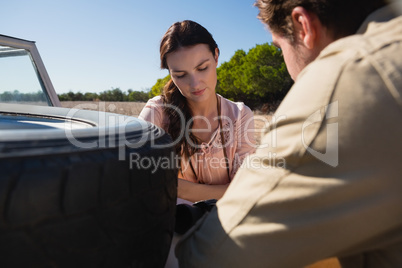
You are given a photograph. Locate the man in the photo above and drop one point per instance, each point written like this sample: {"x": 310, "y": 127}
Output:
{"x": 330, "y": 181}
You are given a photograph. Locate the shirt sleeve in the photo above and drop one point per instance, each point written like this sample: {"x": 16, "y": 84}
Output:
{"x": 153, "y": 112}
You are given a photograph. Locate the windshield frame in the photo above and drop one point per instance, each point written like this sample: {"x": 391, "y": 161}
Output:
{"x": 39, "y": 66}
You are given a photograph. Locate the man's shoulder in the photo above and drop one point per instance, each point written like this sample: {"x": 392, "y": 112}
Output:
{"x": 352, "y": 50}
{"x": 375, "y": 36}
{"x": 351, "y": 67}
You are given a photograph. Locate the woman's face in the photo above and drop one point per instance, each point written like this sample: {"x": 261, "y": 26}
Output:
{"x": 193, "y": 70}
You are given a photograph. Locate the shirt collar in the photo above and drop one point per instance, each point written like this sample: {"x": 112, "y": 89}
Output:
{"x": 383, "y": 14}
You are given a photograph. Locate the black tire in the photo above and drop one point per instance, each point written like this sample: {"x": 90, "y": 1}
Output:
{"x": 62, "y": 205}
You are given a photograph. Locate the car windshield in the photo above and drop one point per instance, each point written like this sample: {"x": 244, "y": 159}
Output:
{"x": 19, "y": 79}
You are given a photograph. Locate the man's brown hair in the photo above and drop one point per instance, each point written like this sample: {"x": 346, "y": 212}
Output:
{"x": 342, "y": 17}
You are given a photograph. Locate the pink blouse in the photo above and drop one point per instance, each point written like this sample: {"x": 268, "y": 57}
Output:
{"x": 209, "y": 161}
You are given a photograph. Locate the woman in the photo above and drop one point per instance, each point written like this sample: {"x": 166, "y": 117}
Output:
{"x": 212, "y": 134}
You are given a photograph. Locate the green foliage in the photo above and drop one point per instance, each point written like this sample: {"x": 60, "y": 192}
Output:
{"x": 157, "y": 89}
{"x": 91, "y": 96}
{"x": 71, "y": 96}
{"x": 114, "y": 94}
{"x": 257, "y": 77}
{"x": 228, "y": 77}
{"x": 138, "y": 96}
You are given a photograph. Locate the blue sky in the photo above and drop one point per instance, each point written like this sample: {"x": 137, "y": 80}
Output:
{"x": 96, "y": 45}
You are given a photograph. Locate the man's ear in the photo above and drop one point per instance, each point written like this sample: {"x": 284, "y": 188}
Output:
{"x": 305, "y": 26}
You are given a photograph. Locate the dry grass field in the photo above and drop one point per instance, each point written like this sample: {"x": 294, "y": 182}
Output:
{"x": 126, "y": 108}
{"x": 261, "y": 119}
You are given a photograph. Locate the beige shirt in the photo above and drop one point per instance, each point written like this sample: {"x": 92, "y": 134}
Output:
{"x": 329, "y": 180}
{"x": 209, "y": 162}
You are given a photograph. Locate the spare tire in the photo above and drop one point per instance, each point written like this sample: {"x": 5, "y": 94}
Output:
{"x": 84, "y": 189}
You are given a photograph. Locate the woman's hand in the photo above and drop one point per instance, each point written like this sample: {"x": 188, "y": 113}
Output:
{"x": 194, "y": 192}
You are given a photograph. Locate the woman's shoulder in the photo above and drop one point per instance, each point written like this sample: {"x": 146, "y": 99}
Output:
{"x": 232, "y": 108}
{"x": 153, "y": 110}
{"x": 155, "y": 103}
{"x": 157, "y": 100}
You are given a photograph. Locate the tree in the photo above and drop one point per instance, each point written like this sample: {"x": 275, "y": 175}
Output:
{"x": 157, "y": 89}
{"x": 267, "y": 72}
{"x": 228, "y": 76}
{"x": 138, "y": 96}
{"x": 78, "y": 96}
{"x": 91, "y": 96}
{"x": 6, "y": 96}
{"x": 115, "y": 94}
{"x": 257, "y": 77}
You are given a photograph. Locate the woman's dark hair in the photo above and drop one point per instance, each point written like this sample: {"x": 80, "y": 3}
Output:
{"x": 181, "y": 34}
